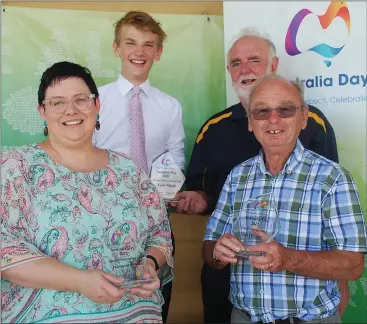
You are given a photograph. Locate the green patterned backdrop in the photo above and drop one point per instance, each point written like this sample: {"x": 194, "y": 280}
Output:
{"x": 191, "y": 68}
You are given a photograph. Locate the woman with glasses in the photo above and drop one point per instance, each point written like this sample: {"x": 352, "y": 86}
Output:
{"x": 77, "y": 220}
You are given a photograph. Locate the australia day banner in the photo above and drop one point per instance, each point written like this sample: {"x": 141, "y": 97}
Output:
{"x": 32, "y": 39}
{"x": 324, "y": 44}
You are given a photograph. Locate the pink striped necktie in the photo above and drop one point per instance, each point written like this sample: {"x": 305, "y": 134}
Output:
{"x": 137, "y": 132}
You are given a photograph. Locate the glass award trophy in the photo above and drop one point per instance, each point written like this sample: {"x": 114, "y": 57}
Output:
{"x": 134, "y": 273}
{"x": 258, "y": 215}
{"x": 166, "y": 176}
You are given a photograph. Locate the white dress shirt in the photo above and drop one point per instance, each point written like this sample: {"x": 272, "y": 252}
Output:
{"x": 162, "y": 121}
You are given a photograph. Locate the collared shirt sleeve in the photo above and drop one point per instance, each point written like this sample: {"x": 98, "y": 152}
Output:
{"x": 344, "y": 226}
{"x": 175, "y": 143}
{"x": 220, "y": 222}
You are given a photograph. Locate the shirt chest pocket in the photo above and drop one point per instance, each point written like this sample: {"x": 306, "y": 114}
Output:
{"x": 300, "y": 230}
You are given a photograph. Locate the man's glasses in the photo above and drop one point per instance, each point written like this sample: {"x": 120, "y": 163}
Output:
{"x": 265, "y": 113}
{"x": 58, "y": 105}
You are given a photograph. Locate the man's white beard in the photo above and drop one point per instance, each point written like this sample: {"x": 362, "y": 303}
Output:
{"x": 243, "y": 92}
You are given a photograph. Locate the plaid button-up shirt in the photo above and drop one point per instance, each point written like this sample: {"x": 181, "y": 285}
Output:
{"x": 318, "y": 208}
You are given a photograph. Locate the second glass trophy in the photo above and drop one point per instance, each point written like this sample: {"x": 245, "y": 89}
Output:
{"x": 256, "y": 223}
{"x": 166, "y": 176}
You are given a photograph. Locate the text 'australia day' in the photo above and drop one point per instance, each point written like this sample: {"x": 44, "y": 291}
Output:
{"x": 319, "y": 81}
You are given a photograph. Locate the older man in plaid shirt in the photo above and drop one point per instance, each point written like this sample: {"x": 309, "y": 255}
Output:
{"x": 323, "y": 234}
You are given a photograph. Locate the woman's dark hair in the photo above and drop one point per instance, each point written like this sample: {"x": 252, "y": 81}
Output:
{"x": 64, "y": 70}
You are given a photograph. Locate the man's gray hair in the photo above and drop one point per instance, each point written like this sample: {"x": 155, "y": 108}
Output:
{"x": 273, "y": 76}
{"x": 253, "y": 32}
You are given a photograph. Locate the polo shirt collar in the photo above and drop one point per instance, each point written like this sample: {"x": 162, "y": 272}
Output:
{"x": 294, "y": 159}
{"x": 238, "y": 111}
{"x": 125, "y": 86}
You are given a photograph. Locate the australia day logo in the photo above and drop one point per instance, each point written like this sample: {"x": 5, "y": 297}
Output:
{"x": 335, "y": 9}
{"x": 260, "y": 205}
{"x": 166, "y": 162}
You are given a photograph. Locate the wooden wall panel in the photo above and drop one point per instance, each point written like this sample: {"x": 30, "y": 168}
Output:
{"x": 166, "y": 7}
{"x": 186, "y": 305}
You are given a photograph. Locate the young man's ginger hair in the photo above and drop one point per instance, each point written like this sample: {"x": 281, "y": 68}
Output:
{"x": 143, "y": 21}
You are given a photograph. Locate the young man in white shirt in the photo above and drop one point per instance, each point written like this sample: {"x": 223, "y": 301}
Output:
{"x": 139, "y": 42}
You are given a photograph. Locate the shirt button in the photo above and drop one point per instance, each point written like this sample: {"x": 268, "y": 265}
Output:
{"x": 261, "y": 291}
{"x": 289, "y": 171}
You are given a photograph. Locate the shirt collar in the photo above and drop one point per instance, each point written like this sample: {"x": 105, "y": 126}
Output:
{"x": 238, "y": 111}
{"x": 125, "y": 86}
{"x": 294, "y": 159}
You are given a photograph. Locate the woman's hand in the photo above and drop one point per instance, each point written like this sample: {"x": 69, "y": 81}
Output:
{"x": 146, "y": 290}
{"x": 100, "y": 287}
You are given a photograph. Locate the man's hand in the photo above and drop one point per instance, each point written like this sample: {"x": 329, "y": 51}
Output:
{"x": 190, "y": 202}
{"x": 226, "y": 247}
{"x": 275, "y": 254}
{"x": 275, "y": 260}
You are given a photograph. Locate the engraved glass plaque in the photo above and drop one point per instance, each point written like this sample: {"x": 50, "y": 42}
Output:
{"x": 257, "y": 215}
{"x": 166, "y": 176}
{"x": 134, "y": 272}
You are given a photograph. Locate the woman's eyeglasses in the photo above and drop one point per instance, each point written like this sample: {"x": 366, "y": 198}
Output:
{"x": 58, "y": 105}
